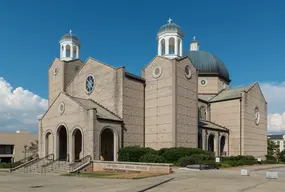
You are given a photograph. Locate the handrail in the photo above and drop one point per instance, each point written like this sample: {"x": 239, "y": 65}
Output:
{"x": 36, "y": 160}
{"x": 77, "y": 165}
{"x": 53, "y": 164}
{"x": 24, "y": 160}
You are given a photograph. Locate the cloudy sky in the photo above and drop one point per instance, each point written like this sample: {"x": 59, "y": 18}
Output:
{"x": 246, "y": 35}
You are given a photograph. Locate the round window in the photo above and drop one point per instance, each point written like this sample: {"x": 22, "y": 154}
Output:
{"x": 203, "y": 82}
{"x": 256, "y": 116}
{"x": 89, "y": 84}
{"x": 188, "y": 73}
{"x": 157, "y": 71}
{"x": 55, "y": 71}
{"x": 61, "y": 108}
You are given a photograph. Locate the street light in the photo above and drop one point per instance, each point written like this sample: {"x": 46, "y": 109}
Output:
{"x": 25, "y": 146}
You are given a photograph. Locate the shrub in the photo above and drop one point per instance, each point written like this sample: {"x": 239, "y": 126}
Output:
{"x": 134, "y": 153}
{"x": 269, "y": 157}
{"x": 172, "y": 155}
{"x": 151, "y": 158}
{"x": 196, "y": 159}
{"x": 282, "y": 156}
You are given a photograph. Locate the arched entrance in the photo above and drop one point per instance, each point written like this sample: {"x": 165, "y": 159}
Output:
{"x": 107, "y": 145}
{"x": 222, "y": 145}
{"x": 77, "y": 141}
{"x": 211, "y": 143}
{"x": 62, "y": 143}
{"x": 47, "y": 143}
{"x": 200, "y": 141}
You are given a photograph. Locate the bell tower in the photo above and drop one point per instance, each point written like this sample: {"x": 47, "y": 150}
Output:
{"x": 69, "y": 47}
{"x": 169, "y": 39}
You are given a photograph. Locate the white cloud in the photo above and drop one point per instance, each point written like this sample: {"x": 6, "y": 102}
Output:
{"x": 275, "y": 96}
{"x": 19, "y": 108}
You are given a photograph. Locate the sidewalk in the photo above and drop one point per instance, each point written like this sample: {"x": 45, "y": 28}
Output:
{"x": 256, "y": 167}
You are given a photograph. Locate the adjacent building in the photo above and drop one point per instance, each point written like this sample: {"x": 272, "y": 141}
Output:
{"x": 15, "y": 146}
{"x": 278, "y": 140}
{"x": 181, "y": 99}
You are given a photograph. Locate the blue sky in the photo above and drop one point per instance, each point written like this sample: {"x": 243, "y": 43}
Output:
{"x": 248, "y": 36}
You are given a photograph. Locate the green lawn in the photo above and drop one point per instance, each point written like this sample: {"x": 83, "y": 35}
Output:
{"x": 114, "y": 175}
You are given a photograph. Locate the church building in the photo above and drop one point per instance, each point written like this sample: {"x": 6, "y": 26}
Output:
{"x": 181, "y": 99}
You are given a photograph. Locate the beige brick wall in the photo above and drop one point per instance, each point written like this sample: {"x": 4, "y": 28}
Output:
{"x": 70, "y": 70}
{"x": 108, "y": 85}
{"x": 73, "y": 117}
{"x": 159, "y": 105}
{"x": 227, "y": 113}
{"x": 254, "y": 136}
{"x": 186, "y": 105}
{"x": 133, "y": 112}
{"x": 55, "y": 82}
{"x": 214, "y": 85}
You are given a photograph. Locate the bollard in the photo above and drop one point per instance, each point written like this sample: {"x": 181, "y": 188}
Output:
{"x": 271, "y": 175}
{"x": 244, "y": 172}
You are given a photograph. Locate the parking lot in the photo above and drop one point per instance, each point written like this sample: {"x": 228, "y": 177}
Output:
{"x": 181, "y": 180}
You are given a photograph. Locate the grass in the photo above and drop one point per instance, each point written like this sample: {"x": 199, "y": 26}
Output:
{"x": 114, "y": 175}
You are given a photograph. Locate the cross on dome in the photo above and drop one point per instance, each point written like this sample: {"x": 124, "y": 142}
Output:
{"x": 194, "y": 38}
{"x": 70, "y": 31}
{"x": 169, "y": 20}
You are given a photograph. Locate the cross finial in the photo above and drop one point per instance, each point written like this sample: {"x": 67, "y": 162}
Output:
{"x": 194, "y": 38}
{"x": 169, "y": 20}
{"x": 70, "y": 31}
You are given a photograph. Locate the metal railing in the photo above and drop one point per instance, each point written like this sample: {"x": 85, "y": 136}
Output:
{"x": 80, "y": 164}
{"x": 23, "y": 161}
{"x": 34, "y": 162}
{"x": 49, "y": 167}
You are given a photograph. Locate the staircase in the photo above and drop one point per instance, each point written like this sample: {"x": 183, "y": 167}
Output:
{"x": 47, "y": 165}
{"x": 34, "y": 165}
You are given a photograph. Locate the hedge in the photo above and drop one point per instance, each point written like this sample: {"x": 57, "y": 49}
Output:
{"x": 151, "y": 158}
{"x": 134, "y": 153}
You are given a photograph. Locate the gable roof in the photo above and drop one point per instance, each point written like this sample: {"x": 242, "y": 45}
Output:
{"x": 205, "y": 98}
{"x": 275, "y": 137}
{"x": 102, "y": 112}
{"x": 212, "y": 125}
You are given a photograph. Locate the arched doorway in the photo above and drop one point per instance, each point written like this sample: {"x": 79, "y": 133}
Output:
{"x": 211, "y": 143}
{"x": 200, "y": 141}
{"x": 107, "y": 145}
{"x": 222, "y": 145}
{"x": 62, "y": 143}
{"x": 47, "y": 143}
{"x": 77, "y": 140}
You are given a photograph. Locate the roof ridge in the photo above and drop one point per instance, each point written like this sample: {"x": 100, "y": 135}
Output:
{"x": 105, "y": 108}
{"x": 217, "y": 94}
{"x": 216, "y": 124}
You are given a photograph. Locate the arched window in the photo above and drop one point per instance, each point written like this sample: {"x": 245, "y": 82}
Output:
{"x": 179, "y": 51}
{"x": 67, "y": 49}
{"x": 203, "y": 113}
{"x": 162, "y": 46}
{"x": 74, "y": 51}
{"x": 171, "y": 45}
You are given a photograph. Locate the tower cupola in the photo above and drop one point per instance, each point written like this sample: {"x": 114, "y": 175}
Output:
{"x": 169, "y": 39}
{"x": 69, "y": 47}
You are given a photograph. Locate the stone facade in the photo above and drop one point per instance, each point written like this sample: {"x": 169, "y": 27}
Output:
{"x": 95, "y": 108}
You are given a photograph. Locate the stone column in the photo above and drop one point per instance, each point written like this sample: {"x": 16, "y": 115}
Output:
{"x": 176, "y": 46}
{"x": 180, "y": 47}
{"x": 159, "y": 48}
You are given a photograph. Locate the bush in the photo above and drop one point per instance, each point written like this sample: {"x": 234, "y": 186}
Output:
{"x": 282, "y": 156}
{"x": 172, "y": 155}
{"x": 151, "y": 158}
{"x": 270, "y": 158}
{"x": 196, "y": 159}
{"x": 269, "y": 162}
{"x": 134, "y": 153}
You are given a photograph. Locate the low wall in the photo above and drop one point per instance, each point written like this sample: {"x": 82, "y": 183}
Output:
{"x": 131, "y": 166}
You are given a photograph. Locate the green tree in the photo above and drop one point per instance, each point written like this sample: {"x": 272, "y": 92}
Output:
{"x": 272, "y": 148}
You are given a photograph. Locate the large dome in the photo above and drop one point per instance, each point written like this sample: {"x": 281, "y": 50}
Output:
{"x": 208, "y": 64}
{"x": 170, "y": 28}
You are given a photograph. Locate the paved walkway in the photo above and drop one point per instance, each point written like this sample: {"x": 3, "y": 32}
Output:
{"x": 181, "y": 180}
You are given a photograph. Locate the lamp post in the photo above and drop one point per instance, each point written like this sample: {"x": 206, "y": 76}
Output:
{"x": 25, "y": 147}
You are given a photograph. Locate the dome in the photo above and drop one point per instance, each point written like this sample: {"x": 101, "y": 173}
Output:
{"x": 70, "y": 37}
{"x": 170, "y": 28}
{"x": 208, "y": 64}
